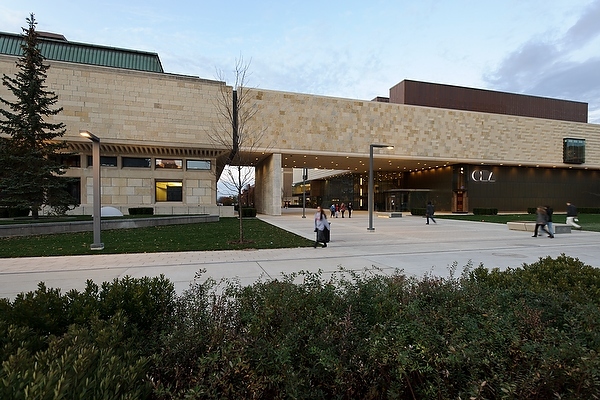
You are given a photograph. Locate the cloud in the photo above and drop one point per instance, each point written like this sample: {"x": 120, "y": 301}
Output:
{"x": 566, "y": 67}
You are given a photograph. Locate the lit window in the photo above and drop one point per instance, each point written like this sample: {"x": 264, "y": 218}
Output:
{"x": 168, "y": 163}
{"x": 573, "y": 151}
{"x": 168, "y": 191}
{"x": 197, "y": 164}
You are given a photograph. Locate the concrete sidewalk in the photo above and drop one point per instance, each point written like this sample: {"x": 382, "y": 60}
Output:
{"x": 405, "y": 243}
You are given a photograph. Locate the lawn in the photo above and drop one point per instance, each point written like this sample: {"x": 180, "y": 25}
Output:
{"x": 588, "y": 222}
{"x": 193, "y": 237}
{"x": 210, "y": 236}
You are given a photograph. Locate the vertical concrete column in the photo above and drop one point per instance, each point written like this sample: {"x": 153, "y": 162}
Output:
{"x": 268, "y": 190}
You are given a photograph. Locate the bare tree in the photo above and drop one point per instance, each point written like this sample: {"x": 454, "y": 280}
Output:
{"x": 234, "y": 133}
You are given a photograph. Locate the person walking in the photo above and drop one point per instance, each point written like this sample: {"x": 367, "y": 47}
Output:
{"x": 322, "y": 228}
{"x": 332, "y": 209}
{"x": 429, "y": 211}
{"x": 540, "y": 222}
{"x": 343, "y": 209}
{"x": 549, "y": 224}
{"x": 349, "y": 210}
{"x": 572, "y": 216}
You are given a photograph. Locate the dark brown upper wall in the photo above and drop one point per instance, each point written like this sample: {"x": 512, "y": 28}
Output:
{"x": 468, "y": 99}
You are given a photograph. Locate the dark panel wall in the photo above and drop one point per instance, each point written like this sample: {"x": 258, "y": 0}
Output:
{"x": 438, "y": 180}
{"x": 468, "y": 99}
{"x": 518, "y": 188}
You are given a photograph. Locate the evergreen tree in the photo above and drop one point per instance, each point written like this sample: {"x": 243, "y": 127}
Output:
{"x": 30, "y": 176}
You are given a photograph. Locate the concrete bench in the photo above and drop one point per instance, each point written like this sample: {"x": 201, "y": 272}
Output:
{"x": 393, "y": 214}
{"x": 530, "y": 227}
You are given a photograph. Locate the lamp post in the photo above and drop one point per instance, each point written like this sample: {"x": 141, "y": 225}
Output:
{"x": 371, "y": 185}
{"x": 97, "y": 245}
{"x": 304, "y": 178}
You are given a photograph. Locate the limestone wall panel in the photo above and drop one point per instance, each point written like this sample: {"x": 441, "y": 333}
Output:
{"x": 323, "y": 124}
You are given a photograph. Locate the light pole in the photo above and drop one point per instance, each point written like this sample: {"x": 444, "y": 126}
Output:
{"x": 371, "y": 185}
{"x": 304, "y": 178}
{"x": 97, "y": 245}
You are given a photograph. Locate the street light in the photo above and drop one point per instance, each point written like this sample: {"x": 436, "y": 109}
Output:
{"x": 304, "y": 178}
{"x": 97, "y": 245}
{"x": 371, "y": 188}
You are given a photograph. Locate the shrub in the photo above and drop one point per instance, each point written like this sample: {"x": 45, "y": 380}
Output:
{"x": 418, "y": 211}
{"x": 86, "y": 362}
{"x": 248, "y": 212}
{"x": 589, "y": 210}
{"x": 141, "y": 211}
{"x": 14, "y": 212}
{"x": 485, "y": 211}
{"x": 531, "y": 332}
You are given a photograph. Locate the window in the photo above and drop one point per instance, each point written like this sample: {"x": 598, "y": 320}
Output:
{"x": 74, "y": 188}
{"x": 573, "y": 151}
{"x": 135, "y": 162}
{"x": 168, "y": 163}
{"x": 197, "y": 164}
{"x": 69, "y": 160}
{"x": 168, "y": 191}
{"x": 105, "y": 161}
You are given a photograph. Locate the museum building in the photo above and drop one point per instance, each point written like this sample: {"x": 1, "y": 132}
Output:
{"x": 461, "y": 148}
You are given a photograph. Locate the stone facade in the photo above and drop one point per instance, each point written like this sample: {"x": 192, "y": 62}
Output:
{"x": 324, "y": 125}
{"x": 163, "y": 116}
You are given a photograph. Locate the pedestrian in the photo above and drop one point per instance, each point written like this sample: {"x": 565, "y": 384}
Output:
{"x": 332, "y": 209}
{"x": 549, "y": 224}
{"x": 322, "y": 228}
{"x": 343, "y": 209}
{"x": 349, "y": 210}
{"x": 541, "y": 220}
{"x": 572, "y": 216}
{"x": 429, "y": 211}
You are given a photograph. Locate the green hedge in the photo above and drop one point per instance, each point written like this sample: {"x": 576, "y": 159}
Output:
{"x": 485, "y": 211}
{"x": 418, "y": 211}
{"x": 141, "y": 211}
{"x": 14, "y": 212}
{"x": 531, "y": 332}
{"x": 248, "y": 212}
{"x": 589, "y": 210}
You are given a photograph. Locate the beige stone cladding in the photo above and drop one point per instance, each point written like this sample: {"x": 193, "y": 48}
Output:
{"x": 322, "y": 125}
{"x": 136, "y": 114}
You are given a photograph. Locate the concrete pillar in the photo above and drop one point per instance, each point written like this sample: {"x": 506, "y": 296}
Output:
{"x": 268, "y": 191}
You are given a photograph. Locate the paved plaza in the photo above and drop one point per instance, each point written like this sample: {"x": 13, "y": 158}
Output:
{"x": 404, "y": 243}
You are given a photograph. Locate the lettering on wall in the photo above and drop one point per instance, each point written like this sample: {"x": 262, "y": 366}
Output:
{"x": 483, "y": 175}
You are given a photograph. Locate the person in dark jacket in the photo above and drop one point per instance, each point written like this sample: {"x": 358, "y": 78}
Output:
{"x": 541, "y": 220}
{"x": 572, "y": 216}
{"x": 429, "y": 211}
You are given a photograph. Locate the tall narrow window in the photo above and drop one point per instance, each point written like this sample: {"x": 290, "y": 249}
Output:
{"x": 573, "y": 151}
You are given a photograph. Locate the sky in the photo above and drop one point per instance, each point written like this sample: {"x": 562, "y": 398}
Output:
{"x": 349, "y": 49}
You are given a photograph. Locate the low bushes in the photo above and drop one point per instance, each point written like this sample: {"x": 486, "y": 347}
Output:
{"x": 14, "y": 212}
{"x": 485, "y": 211}
{"x": 418, "y": 211}
{"x": 248, "y": 212}
{"x": 141, "y": 211}
{"x": 529, "y": 333}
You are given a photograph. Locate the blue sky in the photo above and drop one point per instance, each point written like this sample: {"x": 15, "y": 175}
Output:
{"x": 350, "y": 49}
